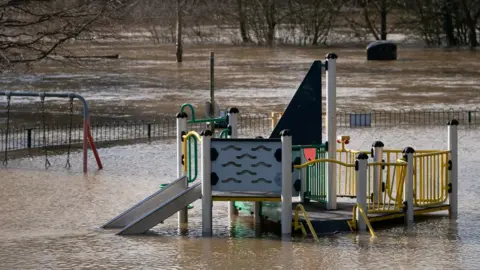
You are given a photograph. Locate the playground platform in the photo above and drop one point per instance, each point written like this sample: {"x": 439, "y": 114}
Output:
{"x": 336, "y": 221}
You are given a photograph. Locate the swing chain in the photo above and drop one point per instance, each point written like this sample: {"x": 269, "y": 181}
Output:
{"x": 5, "y": 159}
{"x": 42, "y": 104}
{"x": 67, "y": 165}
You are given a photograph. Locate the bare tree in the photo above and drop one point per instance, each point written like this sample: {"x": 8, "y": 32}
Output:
{"x": 33, "y": 30}
{"x": 373, "y": 19}
{"x": 444, "y": 22}
{"x": 232, "y": 13}
{"x": 312, "y": 19}
{"x": 471, "y": 10}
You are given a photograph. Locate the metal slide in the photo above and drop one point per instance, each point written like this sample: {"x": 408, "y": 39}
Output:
{"x": 164, "y": 211}
{"x": 148, "y": 204}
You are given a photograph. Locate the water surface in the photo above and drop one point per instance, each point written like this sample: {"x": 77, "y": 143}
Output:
{"x": 51, "y": 219}
{"x": 146, "y": 81}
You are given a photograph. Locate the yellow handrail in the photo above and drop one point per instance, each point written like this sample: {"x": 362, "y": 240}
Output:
{"x": 299, "y": 225}
{"x": 416, "y": 151}
{"x": 432, "y": 153}
{"x": 300, "y": 166}
{"x": 353, "y": 222}
{"x": 184, "y": 146}
{"x": 398, "y": 163}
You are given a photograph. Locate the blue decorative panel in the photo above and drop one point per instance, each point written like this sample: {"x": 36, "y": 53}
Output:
{"x": 247, "y": 165}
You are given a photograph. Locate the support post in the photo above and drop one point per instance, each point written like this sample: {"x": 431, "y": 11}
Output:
{"x": 181, "y": 130}
{"x": 408, "y": 185}
{"x": 286, "y": 182}
{"x": 206, "y": 184}
{"x": 377, "y": 173}
{"x": 212, "y": 90}
{"x": 29, "y": 138}
{"x": 257, "y": 211}
{"x": 453, "y": 148}
{"x": 331, "y": 69}
{"x": 85, "y": 145}
{"x": 233, "y": 134}
{"x": 361, "y": 170}
{"x": 93, "y": 147}
{"x": 303, "y": 177}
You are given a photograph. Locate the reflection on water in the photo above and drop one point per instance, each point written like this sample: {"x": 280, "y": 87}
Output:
{"x": 51, "y": 219}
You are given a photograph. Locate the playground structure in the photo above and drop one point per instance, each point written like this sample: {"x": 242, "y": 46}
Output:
{"x": 87, "y": 136}
{"x": 294, "y": 164}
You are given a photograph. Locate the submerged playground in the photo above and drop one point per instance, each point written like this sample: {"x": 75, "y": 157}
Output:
{"x": 296, "y": 179}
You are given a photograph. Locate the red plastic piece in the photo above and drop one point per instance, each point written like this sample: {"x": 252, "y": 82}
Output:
{"x": 310, "y": 153}
{"x": 92, "y": 146}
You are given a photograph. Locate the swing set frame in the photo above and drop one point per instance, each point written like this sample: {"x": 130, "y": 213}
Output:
{"x": 87, "y": 136}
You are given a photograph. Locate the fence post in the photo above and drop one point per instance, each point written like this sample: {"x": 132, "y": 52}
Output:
{"x": 29, "y": 138}
{"x": 331, "y": 69}
{"x": 286, "y": 182}
{"x": 408, "y": 185}
{"x": 233, "y": 127}
{"x": 453, "y": 148}
{"x": 181, "y": 130}
{"x": 377, "y": 173}
{"x": 361, "y": 169}
{"x": 206, "y": 184}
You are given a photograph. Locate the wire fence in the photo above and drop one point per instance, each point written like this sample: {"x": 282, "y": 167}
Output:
{"x": 57, "y": 136}
{"x": 391, "y": 118}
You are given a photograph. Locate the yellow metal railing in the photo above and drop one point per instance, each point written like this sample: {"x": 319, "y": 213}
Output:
{"x": 306, "y": 164}
{"x": 184, "y": 147}
{"x": 430, "y": 181}
{"x": 430, "y": 175}
{"x": 275, "y": 117}
{"x": 353, "y": 223}
{"x": 388, "y": 196}
{"x": 346, "y": 177}
{"x": 299, "y": 225}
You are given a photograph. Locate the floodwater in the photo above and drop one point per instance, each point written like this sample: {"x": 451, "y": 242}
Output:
{"x": 146, "y": 81}
{"x": 51, "y": 219}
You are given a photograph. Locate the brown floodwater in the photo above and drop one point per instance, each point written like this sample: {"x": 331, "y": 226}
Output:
{"x": 147, "y": 82}
{"x": 50, "y": 219}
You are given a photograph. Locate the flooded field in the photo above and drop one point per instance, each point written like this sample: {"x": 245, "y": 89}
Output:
{"x": 146, "y": 81}
{"x": 51, "y": 219}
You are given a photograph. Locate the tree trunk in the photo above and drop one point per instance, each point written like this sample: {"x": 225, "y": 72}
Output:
{"x": 179, "y": 33}
{"x": 242, "y": 22}
{"x": 448, "y": 23}
{"x": 271, "y": 23}
{"x": 471, "y": 25}
{"x": 383, "y": 20}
